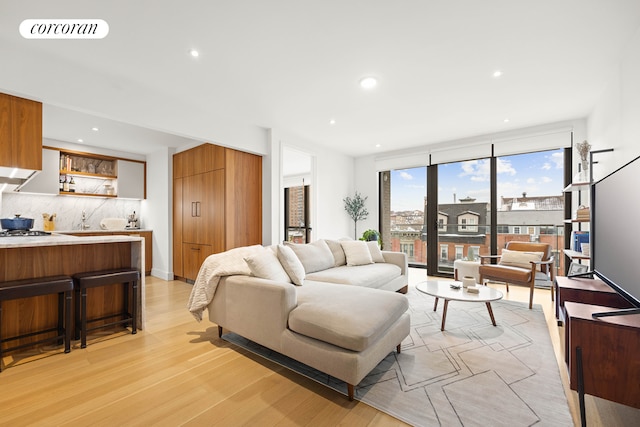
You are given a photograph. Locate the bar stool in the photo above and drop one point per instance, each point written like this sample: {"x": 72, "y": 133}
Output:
{"x": 26, "y": 288}
{"x": 128, "y": 277}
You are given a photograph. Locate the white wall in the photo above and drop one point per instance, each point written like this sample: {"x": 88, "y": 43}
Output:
{"x": 615, "y": 120}
{"x": 367, "y": 184}
{"x": 157, "y": 210}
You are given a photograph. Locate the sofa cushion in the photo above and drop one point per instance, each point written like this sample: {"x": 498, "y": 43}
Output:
{"x": 376, "y": 253}
{"x": 368, "y": 276}
{"x": 357, "y": 252}
{"x": 266, "y": 265}
{"x": 349, "y": 317}
{"x": 337, "y": 251}
{"x": 314, "y": 256}
{"x": 520, "y": 259}
{"x": 507, "y": 273}
{"x": 291, "y": 264}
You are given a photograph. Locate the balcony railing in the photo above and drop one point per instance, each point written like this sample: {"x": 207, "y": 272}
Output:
{"x": 455, "y": 241}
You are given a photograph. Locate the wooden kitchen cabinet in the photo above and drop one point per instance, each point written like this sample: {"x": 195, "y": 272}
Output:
{"x": 20, "y": 133}
{"x": 203, "y": 213}
{"x": 217, "y": 196}
{"x": 201, "y": 159}
{"x": 194, "y": 255}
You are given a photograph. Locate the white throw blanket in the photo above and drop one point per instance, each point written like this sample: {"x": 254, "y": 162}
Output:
{"x": 214, "y": 267}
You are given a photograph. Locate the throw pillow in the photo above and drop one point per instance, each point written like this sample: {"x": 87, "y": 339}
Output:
{"x": 519, "y": 258}
{"x": 338, "y": 253}
{"x": 291, "y": 264}
{"x": 357, "y": 252}
{"x": 314, "y": 256}
{"x": 266, "y": 265}
{"x": 376, "y": 253}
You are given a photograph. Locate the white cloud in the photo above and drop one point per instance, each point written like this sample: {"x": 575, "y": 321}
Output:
{"x": 406, "y": 176}
{"x": 558, "y": 159}
{"x": 546, "y": 166}
{"x": 504, "y": 166}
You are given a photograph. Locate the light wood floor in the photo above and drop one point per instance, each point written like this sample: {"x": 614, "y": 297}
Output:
{"x": 177, "y": 372}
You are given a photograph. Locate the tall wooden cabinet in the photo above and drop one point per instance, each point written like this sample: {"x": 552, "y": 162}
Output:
{"x": 20, "y": 132}
{"x": 217, "y": 204}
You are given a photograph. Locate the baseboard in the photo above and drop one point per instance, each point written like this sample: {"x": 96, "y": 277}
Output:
{"x": 161, "y": 274}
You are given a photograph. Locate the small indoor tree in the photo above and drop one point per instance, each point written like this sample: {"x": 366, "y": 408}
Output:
{"x": 356, "y": 210}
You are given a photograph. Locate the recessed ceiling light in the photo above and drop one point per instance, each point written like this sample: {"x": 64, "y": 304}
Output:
{"x": 378, "y": 145}
{"x": 368, "y": 82}
{"x": 332, "y": 122}
{"x": 95, "y": 129}
{"x": 80, "y": 140}
{"x": 194, "y": 53}
{"x": 497, "y": 73}
{"x": 506, "y": 120}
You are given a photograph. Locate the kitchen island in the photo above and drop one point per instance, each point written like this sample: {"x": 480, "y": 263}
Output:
{"x": 28, "y": 257}
{"x": 136, "y": 232}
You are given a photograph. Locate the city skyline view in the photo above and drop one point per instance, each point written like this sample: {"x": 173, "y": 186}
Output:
{"x": 537, "y": 174}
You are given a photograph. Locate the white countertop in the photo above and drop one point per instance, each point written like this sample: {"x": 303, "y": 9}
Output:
{"x": 56, "y": 239}
{"x": 126, "y": 230}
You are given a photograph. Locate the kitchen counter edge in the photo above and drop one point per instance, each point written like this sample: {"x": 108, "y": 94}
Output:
{"x": 56, "y": 239}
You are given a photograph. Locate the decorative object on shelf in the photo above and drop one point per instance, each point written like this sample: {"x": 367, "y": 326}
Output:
{"x": 583, "y": 149}
{"x": 583, "y": 213}
{"x": 356, "y": 210}
{"x": 575, "y": 268}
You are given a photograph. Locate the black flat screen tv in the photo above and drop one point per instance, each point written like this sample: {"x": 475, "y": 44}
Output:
{"x": 615, "y": 234}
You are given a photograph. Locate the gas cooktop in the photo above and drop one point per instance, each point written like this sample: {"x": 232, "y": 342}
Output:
{"x": 21, "y": 233}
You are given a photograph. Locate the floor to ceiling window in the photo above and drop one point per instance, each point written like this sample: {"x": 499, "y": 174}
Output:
{"x": 530, "y": 206}
{"x": 403, "y": 198}
{"x": 531, "y": 200}
{"x": 463, "y": 209}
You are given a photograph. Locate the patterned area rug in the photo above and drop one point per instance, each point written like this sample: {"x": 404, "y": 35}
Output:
{"x": 472, "y": 374}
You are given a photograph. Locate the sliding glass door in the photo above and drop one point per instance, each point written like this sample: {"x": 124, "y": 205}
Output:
{"x": 403, "y": 198}
{"x": 463, "y": 212}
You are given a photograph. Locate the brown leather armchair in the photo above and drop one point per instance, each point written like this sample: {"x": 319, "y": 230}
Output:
{"x": 518, "y": 274}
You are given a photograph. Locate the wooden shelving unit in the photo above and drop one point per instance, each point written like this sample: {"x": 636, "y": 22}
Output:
{"x": 89, "y": 166}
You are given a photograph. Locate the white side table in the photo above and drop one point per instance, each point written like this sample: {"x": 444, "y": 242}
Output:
{"x": 463, "y": 268}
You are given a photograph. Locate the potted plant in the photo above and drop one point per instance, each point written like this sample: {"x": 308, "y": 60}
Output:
{"x": 356, "y": 210}
{"x": 370, "y": 235}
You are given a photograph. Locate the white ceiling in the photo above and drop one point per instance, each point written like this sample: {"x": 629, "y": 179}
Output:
{"x": 294, "y": 65}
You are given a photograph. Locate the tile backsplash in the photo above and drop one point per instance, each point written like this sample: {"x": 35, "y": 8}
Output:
{"x": 68, "y": 209}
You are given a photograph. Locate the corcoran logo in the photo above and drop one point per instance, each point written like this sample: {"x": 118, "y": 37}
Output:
{"x": 64, "y": 29}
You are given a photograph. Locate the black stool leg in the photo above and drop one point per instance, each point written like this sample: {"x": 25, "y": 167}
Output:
{"x": 61, "y": 313}
{"x": 77, "y": 312}
{"x": 83, "y": 317}
{"x": 125, "y": 306}
{"x": 68, "y": 296}
{"x": 134, "y": 306}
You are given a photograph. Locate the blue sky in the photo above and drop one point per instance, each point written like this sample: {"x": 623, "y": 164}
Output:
{"x": 537, "y": 174}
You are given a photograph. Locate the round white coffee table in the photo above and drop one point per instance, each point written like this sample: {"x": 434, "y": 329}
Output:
{"x": 442, "y": 289}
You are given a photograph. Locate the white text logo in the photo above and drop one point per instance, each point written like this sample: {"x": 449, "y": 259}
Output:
{"x": 64, "y": 29}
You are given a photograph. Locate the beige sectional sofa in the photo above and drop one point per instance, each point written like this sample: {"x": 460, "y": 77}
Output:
{"x": 324, "y": 304}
